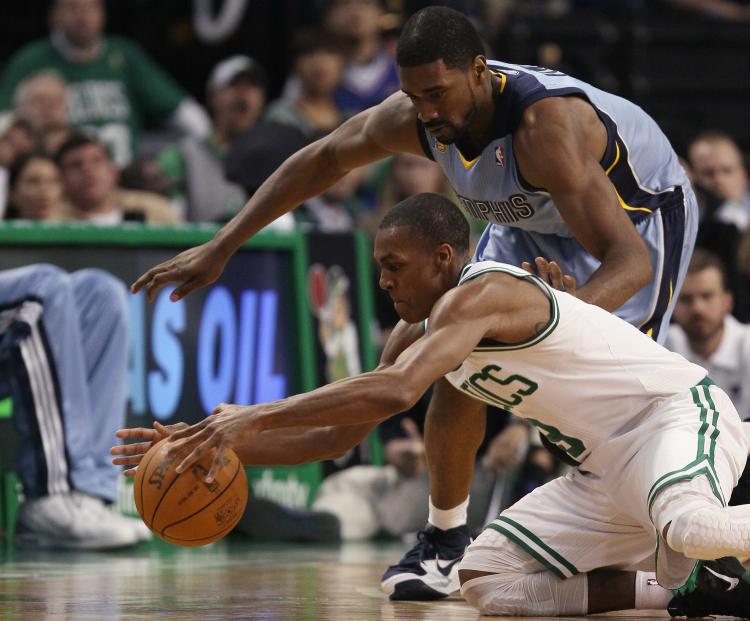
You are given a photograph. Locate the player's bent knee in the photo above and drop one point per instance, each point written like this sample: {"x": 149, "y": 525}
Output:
{"x": 490, "y": 594}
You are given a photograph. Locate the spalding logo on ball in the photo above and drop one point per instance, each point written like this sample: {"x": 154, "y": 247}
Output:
{"x": 183, "y": 508}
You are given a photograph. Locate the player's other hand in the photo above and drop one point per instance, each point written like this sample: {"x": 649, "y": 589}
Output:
{"x": 131, "y": 454}
{"x": 550, "y": 272}
{"x": 192, "y": 268}
{"x": 507, "y": 448}
{"x": 407, "y": 454}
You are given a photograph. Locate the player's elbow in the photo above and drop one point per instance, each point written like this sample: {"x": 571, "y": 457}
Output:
{"x": 632, "y": 261}
{"x": 403, "y": 396}
{"x": 643, "y": 273}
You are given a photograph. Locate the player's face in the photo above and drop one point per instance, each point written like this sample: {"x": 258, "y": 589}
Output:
{"x": 703, "y": 304}
{"x": 411, "y": 272}
{"x": 445, "y": 99}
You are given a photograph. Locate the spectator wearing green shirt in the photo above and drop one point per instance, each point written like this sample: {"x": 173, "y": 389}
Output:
{"x": 41, "y": 100}
{"x": 113, "y": 86}
{"x": 236, "y": 95}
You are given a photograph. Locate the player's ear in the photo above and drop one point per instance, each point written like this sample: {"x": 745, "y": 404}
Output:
{"x": 478, "y": 67}
{"x": 445, "y": 255}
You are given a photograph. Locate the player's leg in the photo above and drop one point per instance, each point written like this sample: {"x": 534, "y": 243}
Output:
{"x": 689, "y": 505}
{"x": 692, "y": 456}
{"x": 454, "y": 429}
{"x": 544, "y": 556}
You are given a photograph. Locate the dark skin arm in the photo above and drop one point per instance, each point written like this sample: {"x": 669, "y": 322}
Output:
{"x": 389, "y": 127}
{"x": 496, "y": 306}
{"x": 558, "y": 146}
{"x": 276, "y": 447}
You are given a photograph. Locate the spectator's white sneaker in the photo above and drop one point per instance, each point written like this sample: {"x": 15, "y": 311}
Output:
{"x": 68, "y": 521}
{"x": 135, "y": 524}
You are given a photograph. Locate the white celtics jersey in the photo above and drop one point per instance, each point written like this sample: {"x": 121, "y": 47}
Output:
{"x": 587, "y": 376}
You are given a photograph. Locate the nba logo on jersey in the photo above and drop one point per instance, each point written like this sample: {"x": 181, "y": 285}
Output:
{"x": 500, "y": 156}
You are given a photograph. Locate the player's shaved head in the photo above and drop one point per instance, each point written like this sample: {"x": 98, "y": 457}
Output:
{"x": 431, "y": 217}
{"x": 438, "y": 33}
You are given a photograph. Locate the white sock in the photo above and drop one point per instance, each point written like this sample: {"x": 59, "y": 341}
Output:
{"x": 648, "y": 594}
{"x": 448, "y": 518}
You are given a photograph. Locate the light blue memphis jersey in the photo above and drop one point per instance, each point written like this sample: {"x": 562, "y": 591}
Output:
{"x": 639, "y": 160}
{"x": 651, "y": 186}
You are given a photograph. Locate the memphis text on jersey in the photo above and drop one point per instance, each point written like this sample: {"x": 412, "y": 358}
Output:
{"x": 515, "y": 208}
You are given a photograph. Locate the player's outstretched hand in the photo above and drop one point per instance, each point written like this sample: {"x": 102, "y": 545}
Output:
{"x": 230, "y": 426}
{"x": 192, "y": 268}
{"x": 131, "y": 454}
{"x": 550, "y": 272}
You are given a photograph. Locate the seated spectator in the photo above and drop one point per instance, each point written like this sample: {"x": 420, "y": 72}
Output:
{"x": 41, "y": 100}
{"x": 257, "y": 153}
{"x": 318, "y": 66}
{"x": 114, "y": 88}
{"x": 236, "y": 94}
{"x": 370, "y": 75}
{"x": 336, "y": 210}
{"x": 35, "y": 188}
{"x": 717, "y": 164}
{"x": 705, "y": 332}
{"x": 16, "y": 141}
{"x": 721, "y": 183}
{"x": 406, "y": 175}
{"x": 90, "y": 178}
{"x": 64, "y": 361}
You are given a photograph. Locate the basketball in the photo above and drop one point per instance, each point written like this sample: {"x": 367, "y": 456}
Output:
{"x": 183, "y": 508}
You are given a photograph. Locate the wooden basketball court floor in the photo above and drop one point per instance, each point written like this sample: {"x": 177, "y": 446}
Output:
{"x": 233, "y": 579}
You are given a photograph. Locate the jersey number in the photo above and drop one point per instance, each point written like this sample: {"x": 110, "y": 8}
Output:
{"x": 572, "y": 446}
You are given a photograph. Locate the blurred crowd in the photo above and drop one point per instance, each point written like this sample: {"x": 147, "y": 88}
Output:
{"x": 93, "y": 130}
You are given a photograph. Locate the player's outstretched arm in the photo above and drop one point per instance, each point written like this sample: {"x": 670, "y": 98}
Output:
{"x": 280, "y": 447}
{"x": 363, "y": 399}
{"x": 380, "y": 131}
{"x": 558, "y": 146}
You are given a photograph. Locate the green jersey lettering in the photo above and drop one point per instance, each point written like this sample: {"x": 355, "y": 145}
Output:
{"x": 506, "y": 392}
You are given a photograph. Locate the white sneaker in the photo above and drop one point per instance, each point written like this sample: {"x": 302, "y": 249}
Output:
{"x": 67, "y": 521}
{"x": 97, "y": 505}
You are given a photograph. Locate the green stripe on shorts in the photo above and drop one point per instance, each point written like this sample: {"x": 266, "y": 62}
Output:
{"x": 564, "y": 567}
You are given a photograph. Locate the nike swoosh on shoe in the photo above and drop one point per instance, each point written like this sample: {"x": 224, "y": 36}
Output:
{"x": 732, "y": 582}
